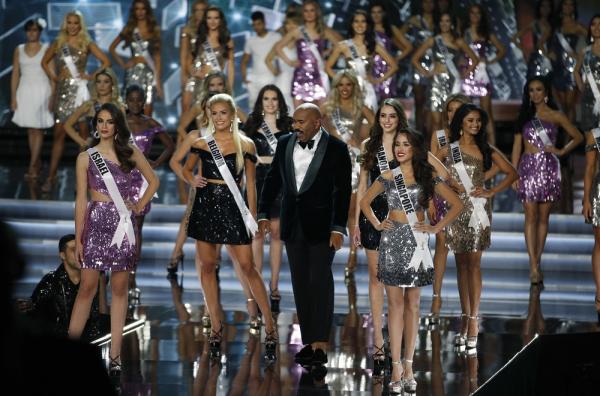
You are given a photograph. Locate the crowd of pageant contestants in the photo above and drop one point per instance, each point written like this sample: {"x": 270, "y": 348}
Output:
{"x": 446, "y": 167}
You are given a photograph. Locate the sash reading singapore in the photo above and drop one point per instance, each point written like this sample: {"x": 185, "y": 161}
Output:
{"x": 479, "y": 215}
{"x": 422, "y": 254}
{"x": 449, "y": 64}
{"x": 249, "y": 221}
{"x": 589, "y": 78}
{"x": 125, "y": 226}
{"x": 82, "y": 91}
{"x": 145, "y": 53}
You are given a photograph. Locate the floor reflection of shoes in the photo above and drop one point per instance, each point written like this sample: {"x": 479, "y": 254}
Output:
{"x": 304, "y": 356}
{"x": 318, "y": 372}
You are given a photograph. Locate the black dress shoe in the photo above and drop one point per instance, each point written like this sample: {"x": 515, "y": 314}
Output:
{"x": 305, "y": 356}
{"x": 319, "y": 357}
{"x": 318, "y": 372}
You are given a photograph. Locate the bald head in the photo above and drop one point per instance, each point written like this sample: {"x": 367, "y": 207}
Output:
{"x": 307, "y": 121}
{"x": 311, "y": 108}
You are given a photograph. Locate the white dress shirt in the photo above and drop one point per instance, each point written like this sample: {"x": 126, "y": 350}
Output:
{"x": 303, "y": 157}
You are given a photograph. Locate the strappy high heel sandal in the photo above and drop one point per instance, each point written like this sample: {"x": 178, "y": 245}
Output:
{"x": 433, "y": 319}
{"x": 174, "y": 264}
{"x": 409, "y": 384}
{"x": 378, "y": 361}
{"x": 396, "y": 387}
{"x": 472, "y": 340}
{"x": 48, "y": 185}
{"x": 214, "y": 343}
{"x": 255, "y": 321}
{"x": 206, "y": 325}
{"x": 271, "y": 341}
{"x": 460, "y": 340}
{"x": 114, "y": 367}
{"x": 275, "y": 299}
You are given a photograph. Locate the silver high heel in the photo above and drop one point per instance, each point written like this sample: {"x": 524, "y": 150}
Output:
{"x": 410, "y": 384}
{"x": 460, "y": 340}
{"x": 396, "y": 387}
{"x": 255, "y": 321}
{"x": 471, "y": 342}
{"x": 433, "y": 319}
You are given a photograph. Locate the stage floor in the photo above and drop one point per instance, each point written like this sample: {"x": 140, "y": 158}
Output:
{"x": 169, "y": 355}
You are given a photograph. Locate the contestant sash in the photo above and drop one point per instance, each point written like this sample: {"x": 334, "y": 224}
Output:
{"x": 543, "y": 135}
{"x": 358, "y": 62}
{"x": 421, "y": 253}
{"x": 479, "y": 215}
{"x": 345, "y": 134}
{"x": 125, "y": 226}
{"x": 271, "y": 139}
{"x": 596, "y": 135}
{"x": 145, "y": 53}
{"x": 144, "y": 181}
{"x": 249, "y": 221}
{"x": 211, "y": 56}
{"x": 449, "y": 64}
{"x": 312, "y": 46}
{"x": 440, "y": 134}
{"x": 382, "y": 161}
{"x": 82, "y": 91}
{"x": 589, "y": 77}
{"x": 568, "y": 50}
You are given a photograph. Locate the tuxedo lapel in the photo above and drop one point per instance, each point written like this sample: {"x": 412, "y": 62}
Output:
{"x": 315, "y": 164}
{"x": 290, "y": 174}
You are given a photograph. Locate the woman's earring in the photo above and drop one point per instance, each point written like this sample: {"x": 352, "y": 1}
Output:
{"x": 96, "y": 134}
{"x": 545, "y": 99}
{"x": 231, "y": 126}
{"x": 262, "y": 113}
{"x": 461, "y": 132}
{"x": 277, "y": 115}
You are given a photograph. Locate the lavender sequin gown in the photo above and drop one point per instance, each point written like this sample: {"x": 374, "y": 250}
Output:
{"x": 539, "y": 173}
{"x": 143, "y": 140}
{"x": 387, "y": 89}
{"x": 101, "y": 221}
{"x": 309, "y": 83}
{"x": 477, "y": 83}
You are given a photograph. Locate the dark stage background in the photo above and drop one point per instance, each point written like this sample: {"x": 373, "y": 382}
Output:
{"x": 106, "y": 18}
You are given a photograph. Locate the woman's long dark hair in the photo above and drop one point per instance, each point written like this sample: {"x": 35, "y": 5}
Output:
{"x": 422, "y": 170}
{"x": 453, "y": 31}
{"x": 255, "y": 119}
{"x": 558, "y": 15}
{"x": 527, "y": 110}
{"x": 538, "y": 7}
{"x": 376, "y": 133}
{"x": 589, "y": 35}
{"x": 387, "y": 26}
{"x": 224, "y": 34}
{"x": 480, "y": 138}
{"x": 153, "y": 26}
{"x": 483, "y": 29}
{"x": 122, "y": 134}
{"x": 370, "y": 32}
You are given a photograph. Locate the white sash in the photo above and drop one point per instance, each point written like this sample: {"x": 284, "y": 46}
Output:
{"x": 421, "y": 253}
{"x": 479, "y": 215}
{"x": 125, "y": 226}
{"x": 269, "y": 135}
{"x": 358, "y": 61}
{"x": 441, "y": 137}
{"x": 211, "y": 56}
{"x": 570, "y": 62}
{"x": 144, "y": 181}
{"x": 589, "y": 78}
{"x": 345, "y": 134}
{"x": 543, "y": 135}
{"x": 145, "y": 53}
{"x": 596, "y": 134}
{"x": 82, "y": 91}
{"x": 449, "y": 64}
{"x": 249, "y": 221}
{"x": 382, "y": 161}
{"x": 312, "y": 46}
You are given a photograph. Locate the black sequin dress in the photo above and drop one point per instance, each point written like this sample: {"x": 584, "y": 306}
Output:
{"x": 215, "y": 217}
{"x": 369, "y": 236}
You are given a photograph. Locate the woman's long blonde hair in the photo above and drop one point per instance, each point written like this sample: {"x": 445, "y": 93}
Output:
{"x": 320, "y": 22}
{"x": 237, "y": 139}
{"x": 115, "y": 96}
{"x": 333, "y": 99}
{"x": 83, "y": 37}
{"x": 458, "y": 97}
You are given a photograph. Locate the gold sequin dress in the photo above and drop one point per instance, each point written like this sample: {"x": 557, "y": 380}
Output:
{"x": 67, "y": 86}
{"x": 460, "y": 238}
{"x": 141, "y": 73}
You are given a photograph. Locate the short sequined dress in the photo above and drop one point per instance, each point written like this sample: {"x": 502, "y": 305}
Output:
{"x": 215, "y": 217}
{"x": 595, "y": 194}
{"x": 143, "y": 141}
{"x": 539, "y": 173}
{"x": 369, "y": 236}
{"x": 442, "y": 83}
{"x": 101, "y": 222}
{"x": 563, "y": 64}
{"x": 477, "y": 83}
{"x": 141, "y": 73}
{"x": 385, "y": 89}
{"x": 590, "y": 120}
{"x": 309, "y": 83}
{"x": 398, "y": 245}
{"x": 67, "y": 87}
{"x": 460, "y": 238}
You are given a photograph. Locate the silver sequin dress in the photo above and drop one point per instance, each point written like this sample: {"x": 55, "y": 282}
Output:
{"x": 194, "y": 83}
{"x": 589, "y": 120}
{"x": 353, "y": 127}
{"x": 141, "y": 73}
{"x": 595, "y": 194}
{"x": 441, "y": 84}
{"x": 398, "y": 245}
{"x": 66, "y": 88}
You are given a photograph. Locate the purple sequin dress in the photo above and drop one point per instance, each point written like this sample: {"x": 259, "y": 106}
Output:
{"x": 477, "y": 83}
{"x": 101, "y": 222}
{"x": 309, "y": 83}
{"x": 539, "y": 173}
{"x": 387, "y": 89}
{"x": 143, "y": 140}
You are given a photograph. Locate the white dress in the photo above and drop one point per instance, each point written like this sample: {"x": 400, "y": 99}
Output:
{"x": 33, "y": 92}
{"x": 285, "y": 77}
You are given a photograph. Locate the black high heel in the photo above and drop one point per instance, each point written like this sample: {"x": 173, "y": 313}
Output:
{"x": 378, "y": 361}
{"x": 275, "y": 299}
{"x": 214, "y": 343}
{"x": 271, "y": 341}
{"x": 173, "y": 266}
{"x": 114, "y": 367}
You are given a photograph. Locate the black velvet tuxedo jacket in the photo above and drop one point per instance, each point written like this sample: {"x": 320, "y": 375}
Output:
{"x": 321, "y": 203}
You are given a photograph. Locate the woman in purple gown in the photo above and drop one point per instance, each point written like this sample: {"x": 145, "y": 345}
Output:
{"x": 105, "y": 240}
{"x": 143, "y": 131}
{"x": 536, "y": 158}
{"x": 310, "y": 82}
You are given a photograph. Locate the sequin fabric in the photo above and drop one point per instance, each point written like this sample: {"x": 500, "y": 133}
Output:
{"x": 387, "y": 88}
{"x": 539, "y": 173}
{"x": 194, "y": 84}
{"x": 143, "y": 140}
{"x": 538, "y": 64}
{"x": 352, "y": 125}
{"x": 215, "y": 217}
{"x": 101, "y": 222}
{"x": 417, "y": 35}
{"x": 461, "y": 238}
{"x": 441, "y": 84}
{"x": 369, "y": 236}
{"x": 66, "y": 87}
{"x": 595, "y": 194}
{"x": 141, "y": 73}
{"x": 368, "y": 90}
{"x": 477, "y": 83}
{"x": 307, "y": 83}
{"x": 563, "y": 66}
{"x": 398, "y": 245}
{"x": 589, "y": 120}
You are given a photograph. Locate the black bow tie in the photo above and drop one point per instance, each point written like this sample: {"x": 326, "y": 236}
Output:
{"x": 310, "y": 144}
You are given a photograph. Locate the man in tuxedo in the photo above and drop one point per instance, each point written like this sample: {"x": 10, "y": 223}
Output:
{"x": 312, "y": 170}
